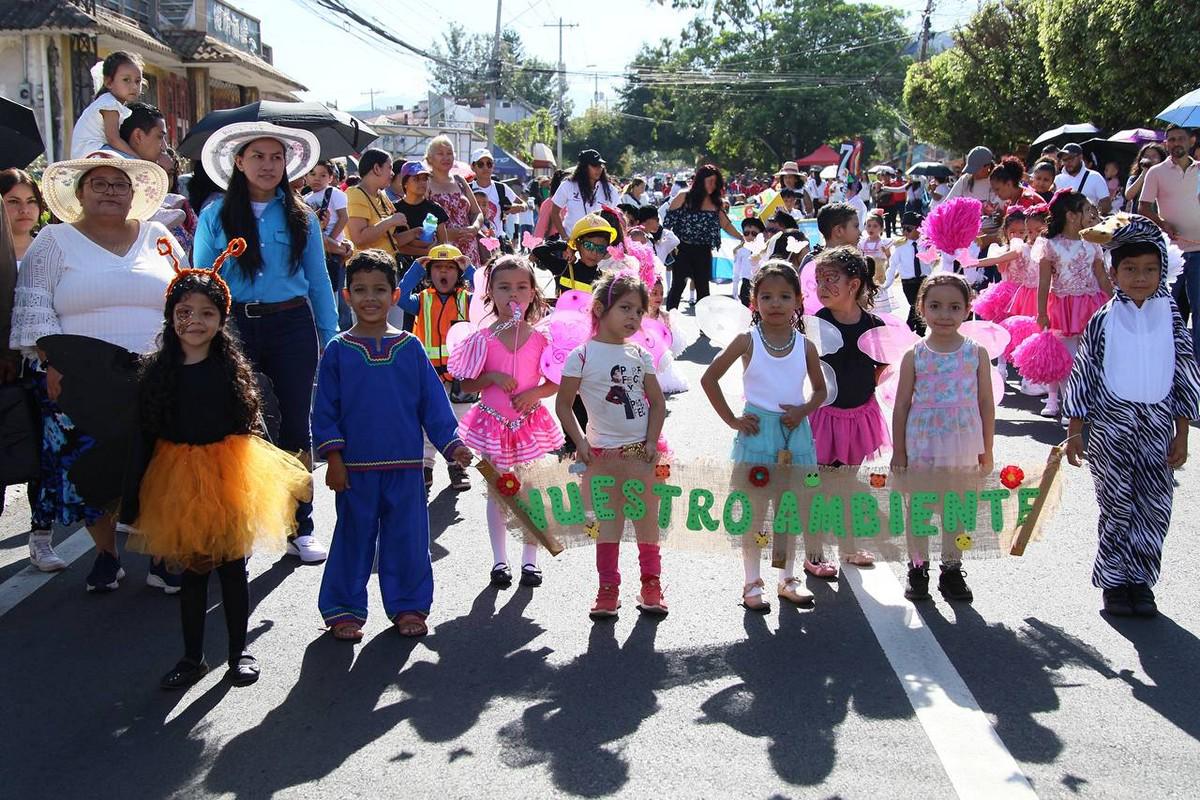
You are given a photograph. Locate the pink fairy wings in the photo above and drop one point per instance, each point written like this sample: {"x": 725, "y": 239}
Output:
{"x": 954, "y": 224}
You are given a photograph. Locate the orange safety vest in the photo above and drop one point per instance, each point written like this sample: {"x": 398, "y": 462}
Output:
{"x": 433, "y": 323}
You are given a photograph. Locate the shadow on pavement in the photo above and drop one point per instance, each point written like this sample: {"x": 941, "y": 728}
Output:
{"x": 1169, "y": 656}
{"x": 443, "y": 513}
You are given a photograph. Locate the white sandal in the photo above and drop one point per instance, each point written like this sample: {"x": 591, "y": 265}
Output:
{"x": 752, "y": 597}
{"x": 794, "y": 591}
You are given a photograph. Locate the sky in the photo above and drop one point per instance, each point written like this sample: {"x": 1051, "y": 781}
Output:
{"x": 338, "y": 66}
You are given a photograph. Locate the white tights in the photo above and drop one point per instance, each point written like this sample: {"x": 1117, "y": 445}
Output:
{"x": 498, "y": 533}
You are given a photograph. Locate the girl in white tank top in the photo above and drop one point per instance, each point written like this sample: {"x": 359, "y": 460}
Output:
{"x": 783, "y": 384}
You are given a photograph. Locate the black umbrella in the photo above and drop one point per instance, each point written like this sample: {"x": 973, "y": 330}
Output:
{"x": 1063, "y": 134}
{"x": 1101, "y": 151}
{"x": 20, "y": 139}
{"x": 930, "y": 169}
{"x": 339, "y": 133}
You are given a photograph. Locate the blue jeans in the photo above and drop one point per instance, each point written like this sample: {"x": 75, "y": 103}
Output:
{"x": 283, "y": 346}
{"x": 1189, "y": 282}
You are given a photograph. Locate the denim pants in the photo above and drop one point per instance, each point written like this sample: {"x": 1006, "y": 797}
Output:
{"x": 1189, "y": 283}
{"x": 283, "y": 346}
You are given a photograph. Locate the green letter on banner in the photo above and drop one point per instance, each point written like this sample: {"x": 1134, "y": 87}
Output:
{"x": 634, "y": 509}
{"x": 895, "y": 513}
{"x": 665, "y": 492}
{"x": 787, "y": 516}
{"x": 864, "y": 514}
{"x": 1026, "y": 497}
{"x": 742, "y": 524}
{"x": 535, "y": 508}
{"x": 959, "y": 509}
{"x": 600, "y": 499}
{"x": 562, "y": 514}
{"x": 995, "y": 499}
{"x": 825, "y": 513}
{"x": 918, "y": 506}
{"x": 700, "y": 503}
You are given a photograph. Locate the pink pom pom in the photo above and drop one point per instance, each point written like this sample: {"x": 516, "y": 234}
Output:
{"x": 1019, "y": 329}
{"x": 954, "y": 224}
{"x": 1043, "y": 358}
{"x": 992, "y": 302}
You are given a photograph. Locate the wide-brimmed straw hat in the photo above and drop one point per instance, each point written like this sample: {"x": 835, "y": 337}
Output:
{"x": 61, "y": 180}
{"x": 788, "y": 168}
{"x": 444, "y": 252}
{"x": 300, "y": 147}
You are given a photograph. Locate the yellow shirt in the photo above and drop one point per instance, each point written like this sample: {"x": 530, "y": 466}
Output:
{"x": 361, "y": 205}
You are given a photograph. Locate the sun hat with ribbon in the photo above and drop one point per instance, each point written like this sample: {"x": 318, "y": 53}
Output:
{"x": 300, "y": 147}
{"x": 61, "y": 181}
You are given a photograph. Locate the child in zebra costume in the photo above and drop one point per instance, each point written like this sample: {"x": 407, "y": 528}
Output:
{"x": 1136, "y": 381}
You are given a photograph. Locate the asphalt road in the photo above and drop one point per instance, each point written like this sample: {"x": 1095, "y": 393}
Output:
{"x": 516, "y": 693}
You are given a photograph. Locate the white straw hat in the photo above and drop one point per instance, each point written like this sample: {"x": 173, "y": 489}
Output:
{"x": 61, "y": 180}
{"x": 300, "y": 147}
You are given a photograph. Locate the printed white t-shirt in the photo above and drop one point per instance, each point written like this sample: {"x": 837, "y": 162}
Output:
{"x": 612, "y": 386}
{"x": 337, "y": 202}
{"x": 568, "y": 197}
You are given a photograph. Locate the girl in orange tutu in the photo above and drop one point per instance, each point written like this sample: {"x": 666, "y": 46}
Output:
{"x": 213, "y": 490}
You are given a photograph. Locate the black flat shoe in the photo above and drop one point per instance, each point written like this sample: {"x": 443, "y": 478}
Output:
{"x": 184, "y": 675}
{"x": 1141, "y": 597}
{"x": 243, "y": 671}
{"x": 1117, "y": 603}
{"x": 501, "y": 576}
{"x": 531, "y": 575}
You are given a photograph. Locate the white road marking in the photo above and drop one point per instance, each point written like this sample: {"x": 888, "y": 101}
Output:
{"x": 29, "y": 580}
{"x": 976, "y": 761}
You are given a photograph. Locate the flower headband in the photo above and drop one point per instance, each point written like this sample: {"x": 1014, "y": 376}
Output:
{"x": 235, "y": 248}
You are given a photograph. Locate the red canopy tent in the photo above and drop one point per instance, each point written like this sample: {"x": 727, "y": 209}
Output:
{"x": 823, "y": 156}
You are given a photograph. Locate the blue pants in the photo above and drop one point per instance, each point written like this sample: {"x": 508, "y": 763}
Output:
{"x": 1189, "y": 283}
{"x": 388, "y": 507}
{"x": 283, "y": 346}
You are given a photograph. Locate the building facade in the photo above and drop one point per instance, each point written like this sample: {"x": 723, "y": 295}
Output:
{"x": 200, "y": 55}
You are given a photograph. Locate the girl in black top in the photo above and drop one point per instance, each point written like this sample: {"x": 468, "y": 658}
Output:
{"x": 697, "y": 216}
{"x": 212, "y": 490}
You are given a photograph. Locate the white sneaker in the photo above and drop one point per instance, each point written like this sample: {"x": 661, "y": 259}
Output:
{"x": 1050, "y": 409}
{"x": 308, "y": 549}
{"x": 1034, "y": 389}
{"x": 41, "y": 553}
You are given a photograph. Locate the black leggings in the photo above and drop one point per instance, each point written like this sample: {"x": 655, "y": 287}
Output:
{"x": 193, "y": 605}
{"x": 691, "y": 261}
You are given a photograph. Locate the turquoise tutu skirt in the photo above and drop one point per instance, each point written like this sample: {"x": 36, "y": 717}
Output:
{"x": 764, "y": 446}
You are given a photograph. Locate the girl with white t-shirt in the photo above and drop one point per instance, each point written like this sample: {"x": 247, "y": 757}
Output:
{"x": 99, "y": 126}
{"x": 626, "y": 409}
{"x": 585, "y": 191}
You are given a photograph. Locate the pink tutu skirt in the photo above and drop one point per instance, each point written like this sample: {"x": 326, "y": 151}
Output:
{"x": 508, "y": 443}
{"x": 992, "y": 303}
{"x": 849, "y": 436}
{"x": 1069, "y": 315}
{"x": 1024, "y": 302}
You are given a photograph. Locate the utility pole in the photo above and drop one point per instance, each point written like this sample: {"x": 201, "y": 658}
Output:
{"x": 922, "y": 54}
{"x": 562, "y": 87}
{"x": 372, "y": 93}
{"x": 494, "y": 82}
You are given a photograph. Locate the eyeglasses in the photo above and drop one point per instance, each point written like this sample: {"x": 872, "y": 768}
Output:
{"x": 593, "y": 247}
{"x": 102, "y": 186}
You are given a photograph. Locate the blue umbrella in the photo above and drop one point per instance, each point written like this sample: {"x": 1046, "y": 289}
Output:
{"x": 1185, "y": 111}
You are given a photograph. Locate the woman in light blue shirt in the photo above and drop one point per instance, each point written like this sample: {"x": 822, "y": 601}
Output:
{"x": 283, "y": 303}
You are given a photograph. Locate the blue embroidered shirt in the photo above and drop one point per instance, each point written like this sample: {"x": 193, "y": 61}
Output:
{"x": 377, "y": 403}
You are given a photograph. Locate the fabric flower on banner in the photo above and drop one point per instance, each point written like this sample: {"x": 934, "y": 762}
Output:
{"x": 662, "y": 471}
{"x": 508, "y": 485}
{"x": 760, "y": 476}
{"x": 1012, "y": 476}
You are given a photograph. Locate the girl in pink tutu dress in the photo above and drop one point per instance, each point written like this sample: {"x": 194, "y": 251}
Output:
{"x": 851, "y": 429}
{"x": 1072, "y": 283}
{"x": 944, "y": 415}
{"x": 509, "y": 426}
{"x": 1011, "y": 259}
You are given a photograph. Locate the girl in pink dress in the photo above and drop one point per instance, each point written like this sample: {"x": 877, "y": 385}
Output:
{"x": 1011, "y": 259}
{"x": 1024, "y": 271}
{"x": 1072, "y": 283}
{"x": 944, "y": 416}
{"x": 460, "y": 209}
{"x": 509, "y": 426}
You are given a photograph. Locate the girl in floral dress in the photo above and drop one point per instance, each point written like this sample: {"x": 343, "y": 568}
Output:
{"x": 944, "y": 417}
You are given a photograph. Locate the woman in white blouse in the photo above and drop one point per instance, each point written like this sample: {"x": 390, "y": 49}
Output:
{"x": 97, "y": 274}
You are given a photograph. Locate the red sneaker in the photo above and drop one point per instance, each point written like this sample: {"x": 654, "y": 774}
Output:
{"x": 651, "y": 599}
{"x": 608, "y": 600}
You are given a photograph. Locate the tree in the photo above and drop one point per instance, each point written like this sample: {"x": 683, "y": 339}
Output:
{"x": 603, "y": 131}
{"x": 758, "y": 82}
{"x": 469, "y": 57}
{"x": 1120, "y": 62}
{"x": 990, "y": 88}
{"x": 518, "y": 137}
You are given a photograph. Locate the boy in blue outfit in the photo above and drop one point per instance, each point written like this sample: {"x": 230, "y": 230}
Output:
{"x": 377, "y": 399}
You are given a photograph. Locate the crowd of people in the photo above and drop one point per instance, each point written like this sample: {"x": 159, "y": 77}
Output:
{"x": 269, "y": 312}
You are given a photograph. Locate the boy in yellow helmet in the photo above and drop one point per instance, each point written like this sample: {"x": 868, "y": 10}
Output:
{"x": 587, "y": 247}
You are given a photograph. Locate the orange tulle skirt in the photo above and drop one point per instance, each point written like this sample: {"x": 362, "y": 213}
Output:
{"x": 202, "y": 505}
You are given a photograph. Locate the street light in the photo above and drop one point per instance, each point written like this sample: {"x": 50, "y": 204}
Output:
{"x": 596, "y": 96}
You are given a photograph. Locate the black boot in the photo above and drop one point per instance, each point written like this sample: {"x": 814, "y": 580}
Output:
{"x": 1117, "y": 602}
{"x": 952, "y": 585}
{"x": 917, "y": 587}
{"x": 1142, "y": 599}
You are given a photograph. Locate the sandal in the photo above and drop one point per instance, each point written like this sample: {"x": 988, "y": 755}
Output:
{"x": 531, "y": 575}
{"x": 501, "y": 576}
{"x": 347, "y": 631}
{"x": 411, "y": 624}
{"x": 861, "y": 558}
{"x": 821, "y": 569}
{"x": 752, "y": 598}
{"x": 794, "y": 591}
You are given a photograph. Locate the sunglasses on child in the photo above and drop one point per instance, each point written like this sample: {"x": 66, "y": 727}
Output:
{"x": 593, "y": 247}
